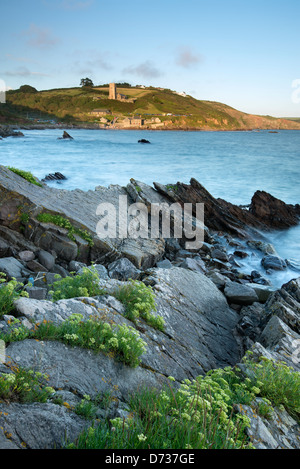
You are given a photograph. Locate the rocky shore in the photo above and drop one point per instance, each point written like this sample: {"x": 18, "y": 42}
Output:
{"x": 213, "y": 311}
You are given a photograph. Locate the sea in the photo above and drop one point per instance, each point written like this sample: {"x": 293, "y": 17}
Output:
{"x": 230, "y": 165}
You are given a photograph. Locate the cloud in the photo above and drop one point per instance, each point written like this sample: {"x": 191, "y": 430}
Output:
{"x": 39, "y": 37}
{"x": 144, "y": 70}
{"x": 19, "y": 59}
{"x": 69, "y": 4}
{"x": 186, "y": 59}
{"x": 24, "y": 72}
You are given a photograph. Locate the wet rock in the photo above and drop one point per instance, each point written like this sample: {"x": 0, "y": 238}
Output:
{"x": 143, "y": 140}
{"x": 262, "y": 246}
{"x": 273, "y": 262}
{"x": 54, "y": 177}
{"x": 241, "y": 254}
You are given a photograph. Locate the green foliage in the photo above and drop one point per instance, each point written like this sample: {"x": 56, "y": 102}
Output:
{"x": 119, "y": 341}
{"x": 9, "y": 292}
{"x": 277, "y": 382}
{"x": 84, "y": 284}
{"x": 195, "y": 416}
{"x": 25, "y": 175}
{"x": 59, "y": 220}
{"x": 23, "y": 385}
{"x": 86, "y": 82}
{"x": 139, "y": 301}
{"x": 86, "y": 408}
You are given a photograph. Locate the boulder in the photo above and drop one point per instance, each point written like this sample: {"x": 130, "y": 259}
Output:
{"x": 240, "y": 294}
{"x": 46, "y": 259}
{"x": 273, "y": 262}
{"x": 12, "y": 268}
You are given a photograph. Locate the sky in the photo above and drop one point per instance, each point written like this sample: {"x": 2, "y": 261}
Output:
{"x": 241, "y": 53}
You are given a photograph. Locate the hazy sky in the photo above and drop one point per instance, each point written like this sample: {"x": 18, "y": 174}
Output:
{"x": 242, "y": 53}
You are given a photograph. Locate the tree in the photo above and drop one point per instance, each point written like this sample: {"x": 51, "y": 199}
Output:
{"x": 86, "y": 82}
{"x": 27, "y": 89}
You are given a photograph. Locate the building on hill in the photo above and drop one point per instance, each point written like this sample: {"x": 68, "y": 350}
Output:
{"x": 113, "y": 94}
{"x": 112, "y": 91}
{"x": 100, "y": 112}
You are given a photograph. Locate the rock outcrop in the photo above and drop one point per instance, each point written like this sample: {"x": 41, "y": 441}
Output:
{"x": 213, "y": 311}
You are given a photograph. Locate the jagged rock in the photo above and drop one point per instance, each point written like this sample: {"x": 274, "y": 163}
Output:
{"x": 280, "y": 431}
{"x": 195, "y": 263}
{"x": 65, "y": 136}
{"x": 240, "y": 294}
{"x": 54, "y": 177}
{"x": 123, "y": 269}
{"x": 274, "y": 212}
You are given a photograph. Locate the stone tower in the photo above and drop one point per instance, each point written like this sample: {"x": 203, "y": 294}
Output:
{"x": 112, "y": 91}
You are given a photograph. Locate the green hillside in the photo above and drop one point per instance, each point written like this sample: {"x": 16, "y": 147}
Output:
{"x": 174, "y": 111}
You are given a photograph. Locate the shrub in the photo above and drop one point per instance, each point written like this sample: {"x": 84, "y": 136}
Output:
{"x": 24, "y": 385}
{"x": 84, "y": 284}
{"x": 9, "y": 292}
{"x": 276, "y": 382}
{"x": 195, "y": 416}
{"x": 58, "y": 220}
{"x": 119, "y": 341}
{"x": 25, "y": 175}
{"x": 139, "y": 301}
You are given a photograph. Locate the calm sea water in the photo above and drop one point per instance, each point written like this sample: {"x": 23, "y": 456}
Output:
{"x": 230, "y": 165}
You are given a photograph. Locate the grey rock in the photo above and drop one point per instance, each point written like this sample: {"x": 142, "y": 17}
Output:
{"x": 46, "y": 259}
{"x": 75, "y": 266}
{"x": 26, "y": 256}
{"x": 35, "y": 266}
{"x": 59, "y": 270}
{"x": 165, "y": 264}
{"x": 39, "y": 426}
{"x": 12, "y": 267}
{"x": 218, "y": 279}
{"x": 263, "y": 291}
{"x": 273, "y": 262}
{"x": 37, "y": 293}
{"x": 262, "y": 246}
{"x": 219, "y": 254}
{"x": 240, "y": 294}
{"x": 196, "y": 264}
{"x": 123, "y": 269}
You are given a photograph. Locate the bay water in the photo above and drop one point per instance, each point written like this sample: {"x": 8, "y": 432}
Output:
{"x": 230, "y": 165}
